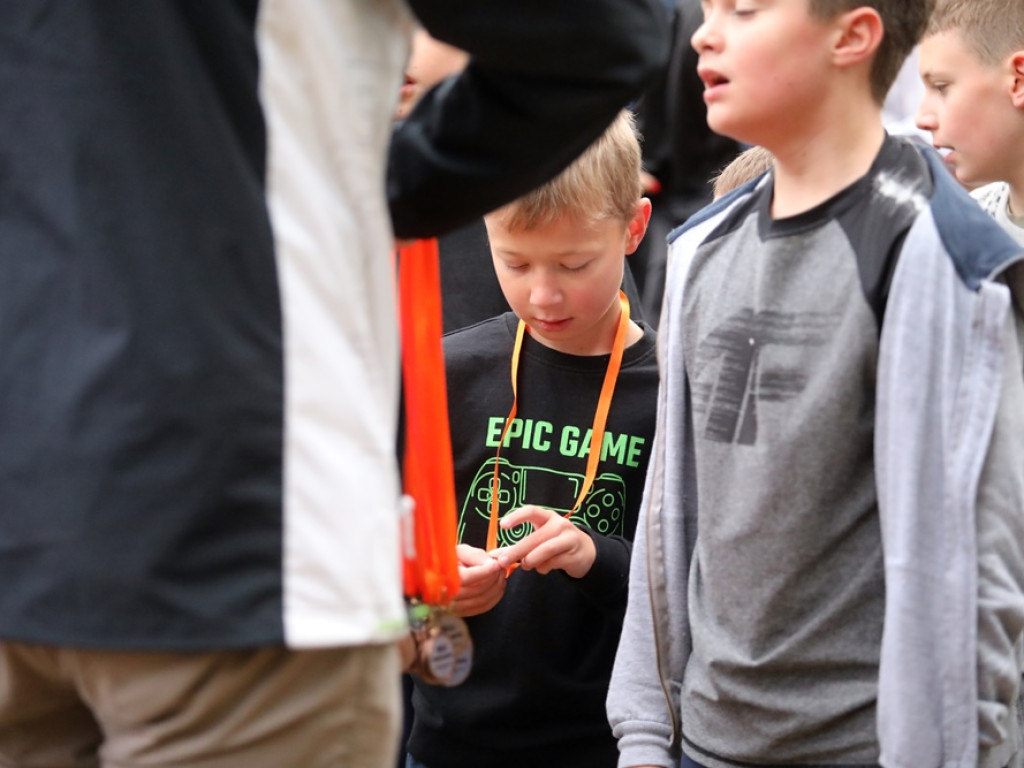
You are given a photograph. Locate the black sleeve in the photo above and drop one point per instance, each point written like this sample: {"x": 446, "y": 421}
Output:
{"x": 605, "y": 584}
{"x": 544, "y": 80}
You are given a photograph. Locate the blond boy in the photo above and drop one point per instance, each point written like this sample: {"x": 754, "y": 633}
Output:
{"x": 745, "y": 167}
{"x": 972, "y": 64}
{"x": 827, "y": 569}
{"x": 545, "y": 633}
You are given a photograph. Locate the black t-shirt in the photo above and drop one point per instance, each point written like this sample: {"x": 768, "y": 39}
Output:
{"x": 543, "y": 655}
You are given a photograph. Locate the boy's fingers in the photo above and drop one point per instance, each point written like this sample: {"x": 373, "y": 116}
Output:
{"x": 479, "y": 574}
{"x": 513, "y": 553}
{"x": 516, "y": 552}
{"x": 550, "y": 554}
{"x": 480, "y": 598}
{"x": 544, "y": 554}
{"x": 469, "y": 556}
{"x": 477, "y": 604}
{"x": 528, "y": 514}
{"x": 547, "y": 524}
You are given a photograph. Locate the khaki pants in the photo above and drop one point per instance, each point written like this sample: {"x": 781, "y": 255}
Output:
{"x": 264, "y": 708}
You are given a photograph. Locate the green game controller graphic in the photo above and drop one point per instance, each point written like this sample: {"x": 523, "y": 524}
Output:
{"x": 602, "y": 509}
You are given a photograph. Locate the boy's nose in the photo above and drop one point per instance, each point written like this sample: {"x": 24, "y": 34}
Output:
{"x": 698, "y": 37}
{"x": 925, "y": 117}
{"x": 706, "y": 35}
{"x": 544, "y": 293}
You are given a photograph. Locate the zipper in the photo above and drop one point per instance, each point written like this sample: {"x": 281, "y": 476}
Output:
{"x": 658, "y": 653}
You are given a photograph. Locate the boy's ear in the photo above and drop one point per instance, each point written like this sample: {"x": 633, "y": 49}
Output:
{"x": 858, "y": 34}
{"x": 1017, "y": 82}
{"x": 637, "y": 226}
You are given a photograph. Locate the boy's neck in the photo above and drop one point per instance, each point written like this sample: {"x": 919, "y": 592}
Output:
{"x": 818, "y": 163}
{"x": 634, "y": 334}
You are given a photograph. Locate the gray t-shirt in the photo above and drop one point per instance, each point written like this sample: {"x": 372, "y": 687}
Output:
{"x": 787, "y": 594}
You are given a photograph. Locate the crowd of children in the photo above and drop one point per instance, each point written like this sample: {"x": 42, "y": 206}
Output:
{"x": 782, "y": 528}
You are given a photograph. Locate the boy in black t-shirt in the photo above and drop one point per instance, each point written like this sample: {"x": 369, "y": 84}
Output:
{"x": 545, "y": 533}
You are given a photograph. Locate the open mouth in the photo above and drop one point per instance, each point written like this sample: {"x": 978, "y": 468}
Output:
{"x": 711, "y": 78}
{"x": 947, "y": 155}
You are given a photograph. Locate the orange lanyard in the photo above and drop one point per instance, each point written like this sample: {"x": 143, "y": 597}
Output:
{"x": 604, "y": 403}
{"x": 430, "y": 566}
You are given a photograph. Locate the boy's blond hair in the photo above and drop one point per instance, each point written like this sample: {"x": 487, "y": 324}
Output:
{"x": 747, "y": 165}
{"x": 991, "y": 29}
{"x": 904, "y": 22}
{"x": 602, "y": 183}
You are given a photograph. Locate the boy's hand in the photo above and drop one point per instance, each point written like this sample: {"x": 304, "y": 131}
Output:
{"x": 407, "y": 649}
{"x": 554, "y": 543}
{"x": 482, "y": 582}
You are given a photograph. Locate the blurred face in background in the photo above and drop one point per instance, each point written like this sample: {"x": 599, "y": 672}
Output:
{"x": 968, "y": 106}
{"x": 430, "y": 62}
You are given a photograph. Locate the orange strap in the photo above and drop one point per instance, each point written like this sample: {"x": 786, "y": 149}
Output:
{"x": 604, "y": 403}
{"x": 430, "y": 566}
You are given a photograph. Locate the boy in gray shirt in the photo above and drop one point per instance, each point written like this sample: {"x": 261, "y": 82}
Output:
{"x": 828, "y": 567}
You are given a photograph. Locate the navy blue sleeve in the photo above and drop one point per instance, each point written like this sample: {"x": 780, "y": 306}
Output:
{"x": 544, "y": 80}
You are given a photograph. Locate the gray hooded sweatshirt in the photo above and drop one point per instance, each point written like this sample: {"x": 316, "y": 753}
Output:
{"x": 948, "y": 465}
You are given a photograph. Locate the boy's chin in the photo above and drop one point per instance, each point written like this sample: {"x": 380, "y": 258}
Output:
{"x": 964, "y": 175}
{"x": 726, "y": 123}
{"x": 731, "y": 129}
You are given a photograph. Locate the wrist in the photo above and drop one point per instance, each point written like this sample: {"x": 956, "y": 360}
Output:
{"x": 584, "y": 558}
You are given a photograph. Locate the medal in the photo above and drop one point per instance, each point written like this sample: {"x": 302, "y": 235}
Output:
{"x": 444, "y": 650}
{"x": 438, "y": 655}
{"x": 455, "y": 629}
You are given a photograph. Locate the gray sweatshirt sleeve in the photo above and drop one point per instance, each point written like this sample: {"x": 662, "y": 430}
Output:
{"x": 1000, "y": 531}
{"x": 643, "y": 698}
{"x": 641, "y": 707}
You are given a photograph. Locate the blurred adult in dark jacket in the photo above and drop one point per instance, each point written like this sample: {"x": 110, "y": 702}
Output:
{"x": 198, "y": 488}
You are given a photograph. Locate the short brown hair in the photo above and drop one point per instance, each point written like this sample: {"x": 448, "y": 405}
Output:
{"x": 602, "y": 183}
{"x": 904, "y": 22}
{"x": 992, "y": 29}
{"x": 747, "y": 165}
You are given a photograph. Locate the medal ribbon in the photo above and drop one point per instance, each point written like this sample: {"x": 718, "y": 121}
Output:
{"x": 430, "y": 566}
{"x": 604, "y": 403}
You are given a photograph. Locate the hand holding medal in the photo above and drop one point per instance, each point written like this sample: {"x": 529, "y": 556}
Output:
{"x": 482, "y": 581}
{"x": 444, "y": 651}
